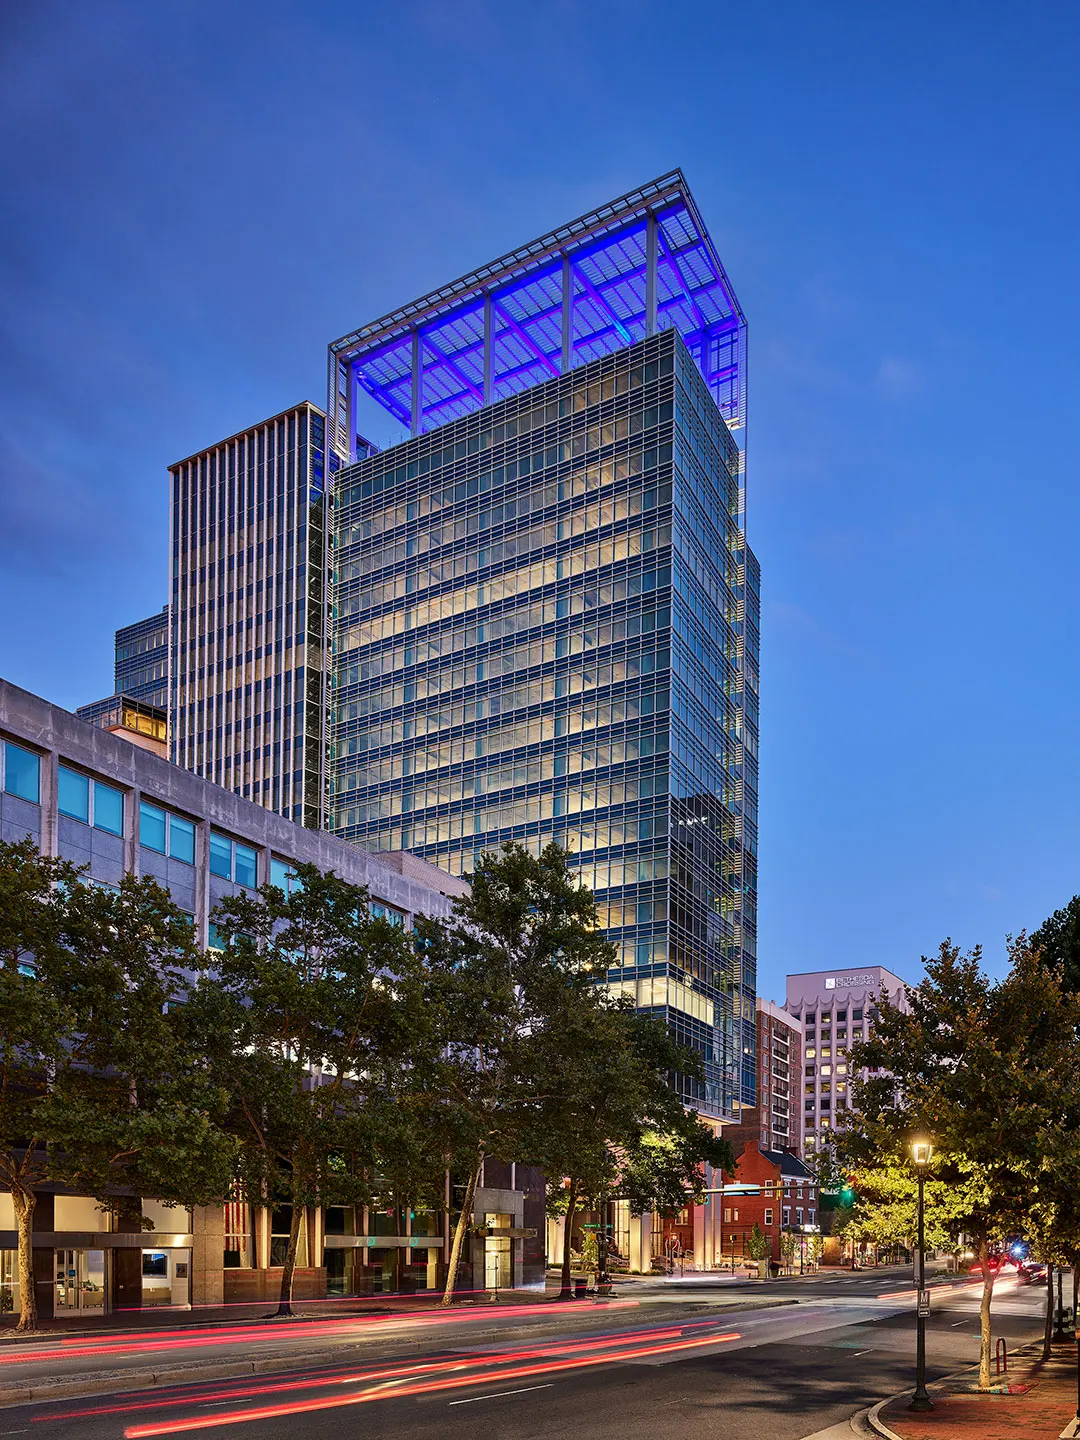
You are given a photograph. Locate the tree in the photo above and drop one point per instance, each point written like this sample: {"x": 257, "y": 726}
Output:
{"x": 611, "y": 1121}
{"x": 757, "y": 1248}
{"x": 101, "y": 1087}
{"x": 315, "y": 1012}
{"x": 1058, "y": 942}
{"x": 987, "y": 1070}
{"x": 509, "y": 976}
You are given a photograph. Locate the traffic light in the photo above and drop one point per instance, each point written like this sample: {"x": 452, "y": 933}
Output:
{"x": 847, "y": 1194}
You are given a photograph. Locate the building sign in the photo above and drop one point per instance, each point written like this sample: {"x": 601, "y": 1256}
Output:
{"x": 849, "y": 982}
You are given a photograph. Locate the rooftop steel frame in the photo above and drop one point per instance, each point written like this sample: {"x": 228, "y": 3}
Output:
{"x": 641, "y": 263}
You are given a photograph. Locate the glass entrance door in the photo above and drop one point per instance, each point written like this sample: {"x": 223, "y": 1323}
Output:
{"x": 80, "y": 1282}
{"x": 497, "y": 1252}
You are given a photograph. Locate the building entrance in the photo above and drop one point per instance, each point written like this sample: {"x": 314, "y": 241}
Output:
{"x": 497, "y": 1252}
{"x": 80, "y": 1282}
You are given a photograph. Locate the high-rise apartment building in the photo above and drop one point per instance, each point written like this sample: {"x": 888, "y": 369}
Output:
{"x": 138, "y": 707}
{"x": 544, "y": 610}
{"x": 837, "y": 1009}
{"x": 774, "y": 1121}
{"x": 248, "y": 595}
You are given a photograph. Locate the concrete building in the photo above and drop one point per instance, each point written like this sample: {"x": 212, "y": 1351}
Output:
{"x": 775, "y": 1120}
{"x": 836, "y": 1009}
{"x": 88, "y": 796}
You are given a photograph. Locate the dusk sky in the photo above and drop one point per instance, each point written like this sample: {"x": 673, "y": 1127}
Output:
{"x": 199, "y": 196}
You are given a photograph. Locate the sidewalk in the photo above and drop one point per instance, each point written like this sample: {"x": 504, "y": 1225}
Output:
{"x": 1041, "y": 1409}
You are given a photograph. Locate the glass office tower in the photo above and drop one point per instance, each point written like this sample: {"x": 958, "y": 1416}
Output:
{"x": 248, "y": 588}
{"x": 138, "y": 706}
{"x": 142, "y": 659}
{"x": 544, "y": 614}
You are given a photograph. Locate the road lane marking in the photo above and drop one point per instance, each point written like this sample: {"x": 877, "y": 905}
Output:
{"x": 861, "y": 1352}
{"x": 500, "y": 1393}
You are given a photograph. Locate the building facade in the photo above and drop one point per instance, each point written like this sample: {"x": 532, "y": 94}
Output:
{"x": 138, "y": 707}
{"x": 142, "y": 660}
{"x": 88, "y": 796}
{"x": 774, "y": 1190}
{"x": 248, "y": 561}
{"x": 836, "y": 1009}
{"x": 774, "y": 1121}
{"x": 544, "y": 610}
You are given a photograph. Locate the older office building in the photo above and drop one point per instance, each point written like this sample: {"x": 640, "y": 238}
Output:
{"x": 836, "y": 1009}
{"x": 248, "y": 591}
{"x": 545, "y": 611}
{"x": 88, "y": 796}
{"x": 138, "y": 707}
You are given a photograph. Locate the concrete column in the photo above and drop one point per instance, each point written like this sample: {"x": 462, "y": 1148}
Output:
{"x": 50, "y": 816}
{"x": 208, "y": 1255}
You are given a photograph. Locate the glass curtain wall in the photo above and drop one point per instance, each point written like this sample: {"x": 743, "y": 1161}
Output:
{"x": 542, "y": 620}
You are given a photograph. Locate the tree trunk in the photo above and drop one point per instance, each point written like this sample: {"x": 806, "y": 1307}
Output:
{"x": 1048, "y": 1328}
{"x": 566, "y": 1289}
{"x": 984, "y": 1316}
{"x": 288, "y": 1270}
{"x": 23, "y": 1202}
{"x": 463, "y": 1223}
{"x": 1076, "y": 1299}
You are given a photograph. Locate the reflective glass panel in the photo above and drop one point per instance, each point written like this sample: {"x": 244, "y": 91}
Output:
{"x": 181, "y": 839}
{"x": 74, "y": 794}
{"x": 220, "y": 856}
{"x": 152, "y": 827}
{"x": 108, "y": 809}
{"x": 22, "y": 773}
{"x": 245, "y": 866}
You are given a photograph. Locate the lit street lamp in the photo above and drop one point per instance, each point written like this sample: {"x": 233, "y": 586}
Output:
{"x": 921, "y": 1151}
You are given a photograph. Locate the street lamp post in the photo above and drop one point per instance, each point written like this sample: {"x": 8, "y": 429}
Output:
{"x": 921, "y": 1152}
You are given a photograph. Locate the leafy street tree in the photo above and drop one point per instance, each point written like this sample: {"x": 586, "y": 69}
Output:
{"x": 612, "y": 1122}
{"x": 987, "y": 1070}
{"x": 101, "y": 1087}
{"x": 510, "y": 977}
{"x": 757, "y": 1249}
{"x": 1058, "y": 942}
{"x": 311, "y": 1014}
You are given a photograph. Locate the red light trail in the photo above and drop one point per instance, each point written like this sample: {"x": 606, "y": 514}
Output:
{"x": 633, "y": 1350}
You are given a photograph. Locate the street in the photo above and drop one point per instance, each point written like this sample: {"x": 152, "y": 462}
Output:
{"x": 785, "y": 1372}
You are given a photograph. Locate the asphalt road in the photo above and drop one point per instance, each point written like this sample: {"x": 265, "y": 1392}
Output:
{"x": 781, "y": 1374}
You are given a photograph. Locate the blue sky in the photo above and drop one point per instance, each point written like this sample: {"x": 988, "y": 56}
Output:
{"x": 199, "y": 196}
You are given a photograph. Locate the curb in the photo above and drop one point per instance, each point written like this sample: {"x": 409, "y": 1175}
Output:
{"x": 873, "y": 1415}
{"x": 42, "y": 1392}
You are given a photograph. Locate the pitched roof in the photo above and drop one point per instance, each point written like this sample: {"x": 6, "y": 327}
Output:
{"x": 790, "y": 1164}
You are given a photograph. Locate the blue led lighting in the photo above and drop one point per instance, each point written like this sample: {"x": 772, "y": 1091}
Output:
{"x": 641, "y": 264}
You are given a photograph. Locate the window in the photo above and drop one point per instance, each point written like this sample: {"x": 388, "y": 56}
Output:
{"x": 285, "y": 877}
{"x": 379, "y": 911}
{"x": 798, "y": 1215}
{"x": 152, "y": 827}
{"x": 22, "y": 773}
{"x": 787, "y": 1216}
{"x": 182, "y": 839}
{"x": 727, "y": 1217}
{"x": 81, "y": 798}
{"x": 856, "y": 1014}
{"x": 841, "y": 1016}
{"x": 220, "y": 855}
{"x": 233, "y": 860}
{"x": 74, "y": 795}
{"x": 810, "y": 1216}
{"x": 735, "y": 1214}
{"x": 768, "y": 1217}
